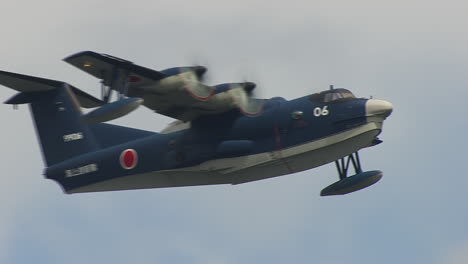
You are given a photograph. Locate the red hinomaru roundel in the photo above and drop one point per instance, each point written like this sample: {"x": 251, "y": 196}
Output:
{"x": 128, "y": 159}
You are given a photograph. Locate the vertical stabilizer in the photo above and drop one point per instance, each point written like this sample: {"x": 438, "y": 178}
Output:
{"x": 57, "y": 116}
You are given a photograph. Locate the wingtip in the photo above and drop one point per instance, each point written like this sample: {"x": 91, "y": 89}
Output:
{"x": 79, "y": 54}
{"x": 99, "y": 56}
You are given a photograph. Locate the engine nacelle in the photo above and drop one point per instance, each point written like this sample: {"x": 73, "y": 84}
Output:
{"x": 224, "y": 87}
{"x": 199, "y": 71}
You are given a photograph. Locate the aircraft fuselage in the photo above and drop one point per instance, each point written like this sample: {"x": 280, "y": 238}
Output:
{"x": 231, "y": 148}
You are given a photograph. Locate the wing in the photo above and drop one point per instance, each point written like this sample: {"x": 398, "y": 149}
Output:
{"x": 176, "y": 92}
{"x": 103, "y": 66}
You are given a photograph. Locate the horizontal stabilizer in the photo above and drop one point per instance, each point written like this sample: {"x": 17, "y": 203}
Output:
{"x": 86, "y": 100}
{"x": 23, "y": 98}
{"x": 28, "y": 85}
{"x": 102, "y": 66}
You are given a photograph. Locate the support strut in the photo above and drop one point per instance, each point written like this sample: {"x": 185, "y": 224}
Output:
{"x": 116, "y": 80}
{"x": 106, "y": 92}
{"x": 342, "y": 165}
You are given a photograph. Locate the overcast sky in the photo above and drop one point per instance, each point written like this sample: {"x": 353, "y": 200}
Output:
{"x": 411, "y": 53}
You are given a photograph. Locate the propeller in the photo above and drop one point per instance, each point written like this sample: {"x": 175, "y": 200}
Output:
{"x": 200, "y": 72}
{"x": 249, "y": 87}
{"x": 250, "y": 105}
{"x": 199, "y": 64}
{"x": 241, "y": 94}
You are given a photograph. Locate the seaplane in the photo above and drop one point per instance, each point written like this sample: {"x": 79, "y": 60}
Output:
{"x": 221, "y": 133}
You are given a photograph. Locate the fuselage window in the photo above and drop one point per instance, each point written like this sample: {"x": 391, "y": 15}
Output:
{"x": 330, "y": 96}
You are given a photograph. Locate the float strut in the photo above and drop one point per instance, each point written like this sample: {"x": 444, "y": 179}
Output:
{"x": 342, "y": 165}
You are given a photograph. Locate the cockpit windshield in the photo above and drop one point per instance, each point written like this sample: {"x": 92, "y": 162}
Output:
{"x": 332, "y": 96}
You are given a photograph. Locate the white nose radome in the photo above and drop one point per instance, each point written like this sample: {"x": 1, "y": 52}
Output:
{"x": 378, "y": 108}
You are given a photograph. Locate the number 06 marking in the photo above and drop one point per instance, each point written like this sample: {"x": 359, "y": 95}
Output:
{"x": 321, "y": 111}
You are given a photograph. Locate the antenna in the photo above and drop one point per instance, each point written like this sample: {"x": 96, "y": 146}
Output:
{"x": 332, "y": 87}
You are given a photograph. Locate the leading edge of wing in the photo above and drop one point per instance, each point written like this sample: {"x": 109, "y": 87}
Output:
{"x": 98, "y": 63}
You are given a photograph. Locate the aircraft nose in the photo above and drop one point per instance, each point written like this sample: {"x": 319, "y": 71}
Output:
{"x": 378, "y": 108}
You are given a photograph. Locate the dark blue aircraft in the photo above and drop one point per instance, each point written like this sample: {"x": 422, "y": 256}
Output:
{"x": 222, "y": 135}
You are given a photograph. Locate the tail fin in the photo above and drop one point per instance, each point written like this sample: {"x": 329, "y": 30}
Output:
{"x": 56, "y": 113}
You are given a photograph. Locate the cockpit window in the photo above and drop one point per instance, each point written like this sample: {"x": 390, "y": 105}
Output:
{"x": 332, "y": 96}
